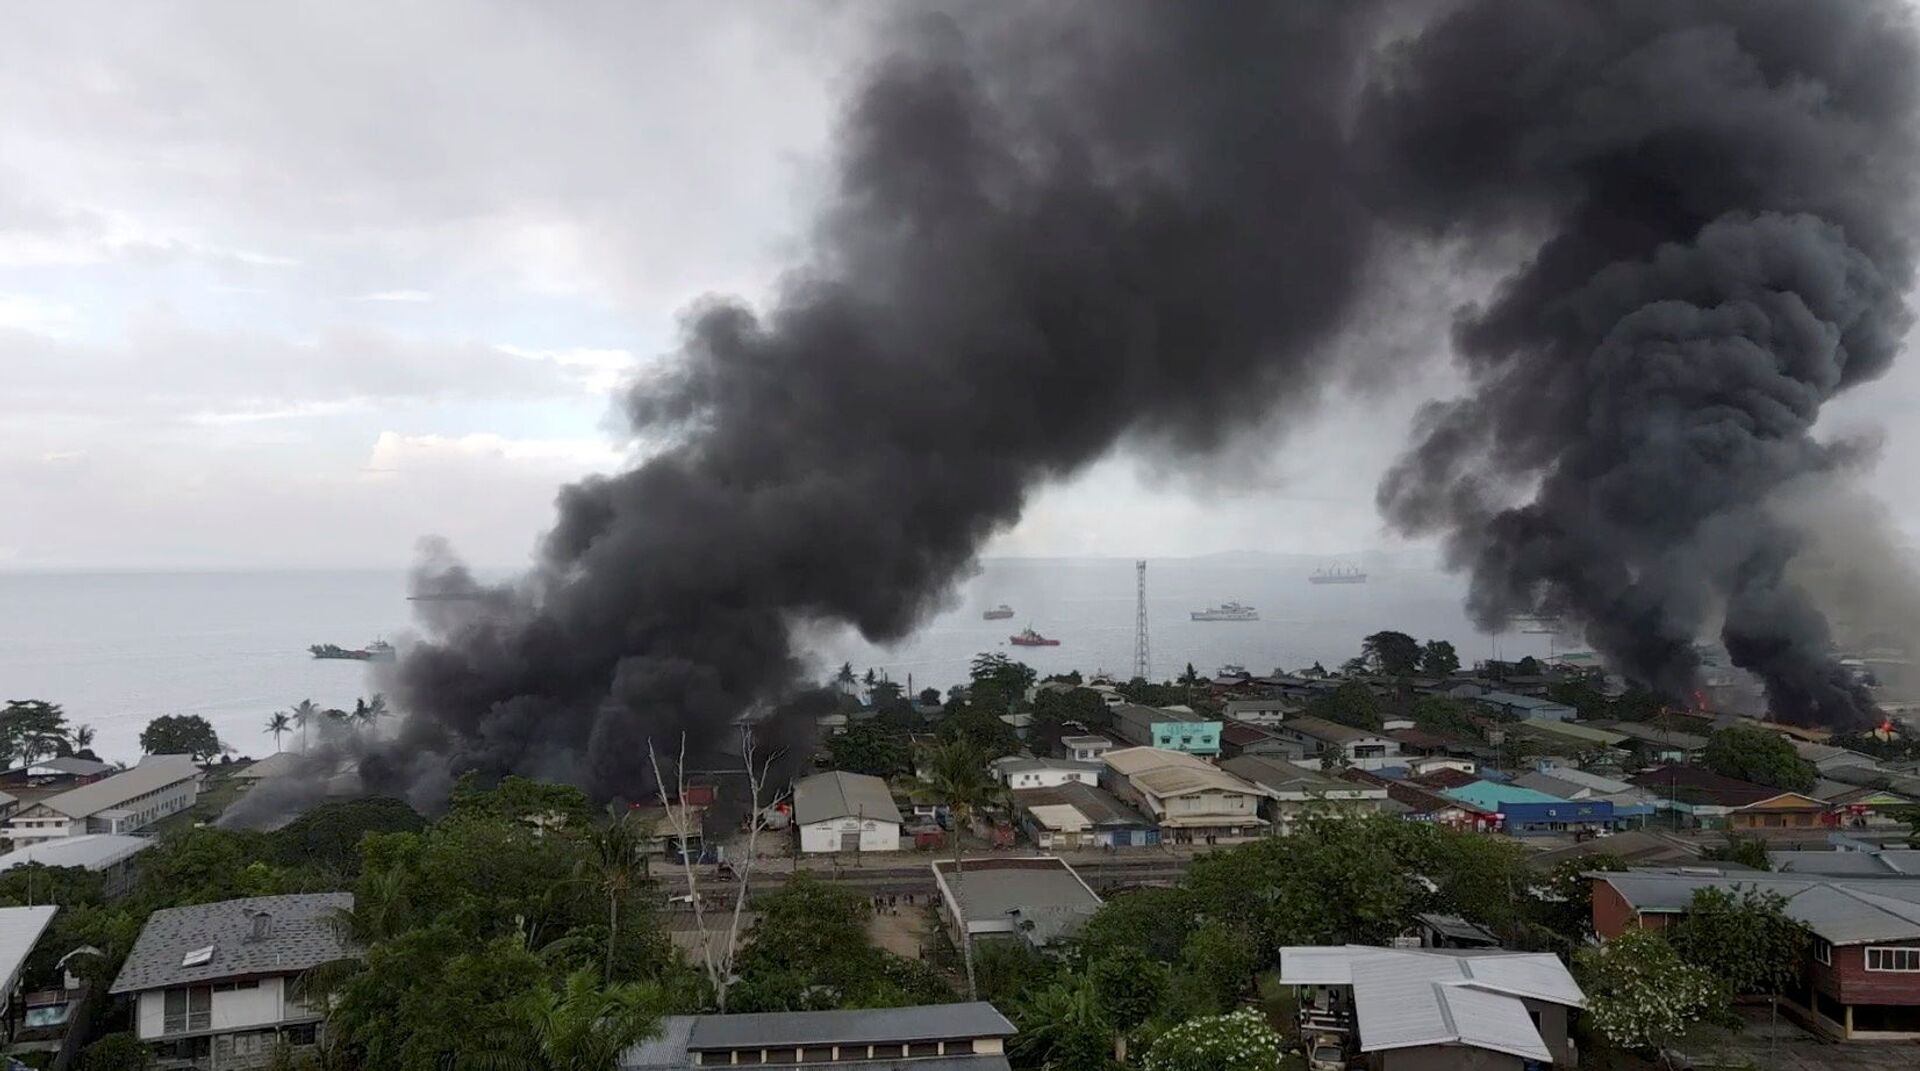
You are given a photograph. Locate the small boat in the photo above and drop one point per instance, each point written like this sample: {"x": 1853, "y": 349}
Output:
{"x": 1228, "y": 611}
{"x": 1233, "y": 670}
{"x": 998, "y": 613}
{"x": 377, "y": 651}
{"x": 1029, "y": 638}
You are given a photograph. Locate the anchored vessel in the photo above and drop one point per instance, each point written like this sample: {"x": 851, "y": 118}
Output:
{"x": 1227, "y": 611}
{"x": 1338, "y": 576}
{"x": 1029, "y": 638}
{"x": 998, "y": 613}
{"x": 377, "y": 651}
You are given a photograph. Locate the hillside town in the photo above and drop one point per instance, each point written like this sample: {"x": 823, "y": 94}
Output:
{"x": 1403, "y": 863}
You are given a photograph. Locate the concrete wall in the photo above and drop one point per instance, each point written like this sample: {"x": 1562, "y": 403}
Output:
{"x": 875, "y": 836}
{"x": 1227, "y": 805}
{"x": 1051, "y": 777}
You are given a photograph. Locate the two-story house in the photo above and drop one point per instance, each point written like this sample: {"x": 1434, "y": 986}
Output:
{"x": 1359, "y": 748}
{"x": 214, "y": 984}
{"x": 1169, "y": 730}
{"x": 128, "y": 801}
{"x": 1084, "y": 748}
{"x": 1862, "y": 977}
{"x": 1190, "y": 799}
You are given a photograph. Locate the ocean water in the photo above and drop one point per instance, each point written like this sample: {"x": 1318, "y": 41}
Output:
{"x": 117, "y": 649}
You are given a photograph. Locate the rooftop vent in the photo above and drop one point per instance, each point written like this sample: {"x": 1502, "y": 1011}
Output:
{"x": 262, "y": 927}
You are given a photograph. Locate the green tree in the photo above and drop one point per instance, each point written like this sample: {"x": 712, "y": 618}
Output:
{"x": 1216, "y": 966}
{"x": 1129, "y": 988}
{"x": 181, "y": 734}
{"x": 83, "y": 738}
{"x": 930, "y": 697}
{"x": 1641, "y": 994}
{"x": 1586, "y": 700}
{"x": 32, "y": 729}
{"x": 1191, "y": 676}
{"x": 809, "y": 951}
{"x": 1758, "y": 756}
{"x": 614, "y": 864}
{"x": 1351, "y": 704}
{"x": 304, "y": 713}
{"x": 1240, "y": 1041}
{"x": 329, "y": 835}
{"x": 869, "y": 747}
{"x": 538, "y": 804}
{"x": 431, "y": 999}
{"x": 1747, "y": 941}
{"x": 1566, "y": 909}
{"x": 845, "y": 676}
{"x": 581, "y": 1026}
{"x": 1062, "y": 1028}
{"x": 956, "y": 775}
{"x": 1083, "y": 705}
{"x": 1395, "y": 654}
{"x": 1439, "y": 659}
{"x": 1440, "y": 714}
{"x": 118, "y": 1052}
{"x": 279, "y": 724}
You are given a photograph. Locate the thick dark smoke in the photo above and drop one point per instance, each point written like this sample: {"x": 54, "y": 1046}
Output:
{"x": 1723, "y": 192}
{"x": 1069, "y": 226}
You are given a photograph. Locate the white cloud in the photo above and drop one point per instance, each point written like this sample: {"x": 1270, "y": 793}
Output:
{"x": 27, "y": 312}
{"x": 394, "y": 452}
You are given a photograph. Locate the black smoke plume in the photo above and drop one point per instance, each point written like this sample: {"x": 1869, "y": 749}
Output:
{"x": 1723, "y": 197}
{"x": 1062, "y": 228}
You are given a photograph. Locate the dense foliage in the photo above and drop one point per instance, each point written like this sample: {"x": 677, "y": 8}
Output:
{"x": 181, "y": 734}
{"x": 1759, "y": 756}
{"x": 1641, "y": 994}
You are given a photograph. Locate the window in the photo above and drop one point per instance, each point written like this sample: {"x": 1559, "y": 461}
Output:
{"x": 1893, "y": 959}
{"x": 187, "y": 1009}
{"x": 959, "y": 1047}
{"x": 1823, "y": 951}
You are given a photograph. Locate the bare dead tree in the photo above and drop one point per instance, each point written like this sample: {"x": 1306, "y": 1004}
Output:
{"x": 718, "y": 963}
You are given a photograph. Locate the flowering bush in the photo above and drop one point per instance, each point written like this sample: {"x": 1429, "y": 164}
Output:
{"x": 1641, "y": 994}
{"x": 1241, "y": 1041}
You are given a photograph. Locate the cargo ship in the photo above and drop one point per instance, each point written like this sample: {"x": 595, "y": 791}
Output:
{"x": 1029, "y": 638}
{"x": 998, "y": 613}
{"x": 1338, "y": 576}
{"x": 377, "y": 651}
{"x": 1227, "y": 611}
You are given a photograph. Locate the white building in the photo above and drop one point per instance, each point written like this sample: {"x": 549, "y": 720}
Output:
{"x": 1016, "y": 771}
{"x": 1263, "y": 712}
{"x": 130, "y": 800}
{"x": 20, "y": 930}
{"x": 845, "y": 812}
{"x": 213, "y": 984}
{"x": 1355, "y": 747}
{"x": 1189, "y": 798}
{"x": 1087, "y": 748}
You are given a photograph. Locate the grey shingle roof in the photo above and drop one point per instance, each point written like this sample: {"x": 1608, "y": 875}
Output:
{"x": 839, "y": 794}
{"x": 1840, "y": 911}
{"x": 302, "y": 934}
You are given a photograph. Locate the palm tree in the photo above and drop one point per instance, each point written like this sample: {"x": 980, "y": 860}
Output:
{"x": 305, "y": 712}
{"x": 1062, "y": 1026}
{"x": 279, "y": 724}
{"x": 82, "y": 737}
{"x": 618, "y": 852}
{"x": 956, "y": 775}
{"x": 582, "y": 1027}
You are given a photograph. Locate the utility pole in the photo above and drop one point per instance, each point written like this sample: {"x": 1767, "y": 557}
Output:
{"x": 1142, "y": 665}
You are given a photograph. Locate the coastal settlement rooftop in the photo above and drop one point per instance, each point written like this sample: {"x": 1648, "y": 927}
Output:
{"x": 153, "y": 773}
{"x": 934, "y": 1037}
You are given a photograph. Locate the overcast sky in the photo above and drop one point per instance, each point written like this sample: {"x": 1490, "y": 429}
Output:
{"x": 297, "y": 284}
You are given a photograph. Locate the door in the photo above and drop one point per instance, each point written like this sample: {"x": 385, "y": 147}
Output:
{"x": 850, "y": 840}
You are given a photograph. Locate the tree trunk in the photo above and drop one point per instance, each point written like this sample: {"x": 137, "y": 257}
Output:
{"x": 613, "y": 931}
{"x": 966, "y": 939}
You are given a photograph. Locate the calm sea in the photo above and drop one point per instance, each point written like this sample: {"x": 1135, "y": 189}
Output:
{"x": 119, "y": 648}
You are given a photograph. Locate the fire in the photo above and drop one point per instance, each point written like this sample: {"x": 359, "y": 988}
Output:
{"x": 1885, "y": 731}
{"x": 1700, "y": 701}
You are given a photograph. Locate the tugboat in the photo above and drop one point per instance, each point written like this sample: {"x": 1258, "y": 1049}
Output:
{"x": 377, "y": 651}
{"x": 1228, "y": 611}
{"x": 1030, "y": 638}
{"x": 998, "y": 613}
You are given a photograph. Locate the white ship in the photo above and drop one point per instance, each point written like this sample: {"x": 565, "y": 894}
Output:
{"x": 1338, "y": 576}
{"x": 1227, "y": 611}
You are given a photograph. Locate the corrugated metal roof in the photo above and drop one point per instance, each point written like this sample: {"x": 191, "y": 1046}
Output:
{"x": 839, "y": 794}
{"x": 153, "y": 772}
{"x": 302, "y": 933}
{"x": 1406, "y": 998}
{"x": 870, "y": 1026}
{"x": 1128, "y": 761}
{"x": 94, "y": 851}
{"x": 20, "y": 930}
{"x": 1840, "y": 912}
{"x": 1496, "y": 795}
{"x": 985, "y": 891}
{"x": 1572, "y": 731}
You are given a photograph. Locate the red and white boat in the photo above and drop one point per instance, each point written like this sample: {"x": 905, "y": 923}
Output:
{"x": 1030, "y": 638}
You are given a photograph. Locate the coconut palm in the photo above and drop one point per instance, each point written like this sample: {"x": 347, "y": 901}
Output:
{"x": 279, "y": 724}
{"x": 305, "y": 712}
{"x": 617, "y": 853}
{"x": 955, "y": 774}
{"x": 82, "y": 737}
{"x": 581, "y": 1027}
